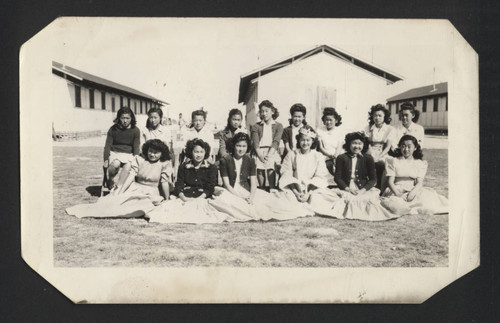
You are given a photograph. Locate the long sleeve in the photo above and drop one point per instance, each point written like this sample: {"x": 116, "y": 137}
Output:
{"x": 179, "y": 184}
{"x": 287, "y": 171}
{"x": 321, "y": 172}
{"x": 107, "y": 145}
{"x": 209, "y": 186}
{"x": 372, "y": 177}
{"x": 278, "y": 133}
{"x": 341, "y": 167}
{"x": 222, "y": 144}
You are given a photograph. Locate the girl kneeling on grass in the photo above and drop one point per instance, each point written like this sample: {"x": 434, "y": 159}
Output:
{"x": 304, "y": 178}
{"x": 140, "y": 193}
{"x": 240, "y": 198}
{"x": 356, "y": 177}
{"x": 406, "y": 172}
{"x": 196, "y": 180}
{"x": 122, "y": 144}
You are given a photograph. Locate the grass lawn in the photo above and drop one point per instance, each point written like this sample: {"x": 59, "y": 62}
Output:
{"x": 410, "y": 241}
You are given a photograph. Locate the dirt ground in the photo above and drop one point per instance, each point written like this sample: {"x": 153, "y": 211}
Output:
{"x": 410, "y": 241}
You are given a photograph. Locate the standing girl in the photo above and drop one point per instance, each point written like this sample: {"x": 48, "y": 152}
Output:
{"x": 122, "y": 144}
{"x": 266, "y": 135}
{"x": 155, "y": 130}
{"x": 232, "y": 128}
{"x": 297, "y": 120}
{"x": 379, "y": 134}
{"x": 408, "y": 115}
{"x": 199, "y": 131}
{"x": 355, "y": 176}
{"x": 406, "y": 172}
{"x": 140, "y": 193}
{"x": 240, "y": 198}
{"x": 330, "y": 139}
{"x": 303, "y": 178}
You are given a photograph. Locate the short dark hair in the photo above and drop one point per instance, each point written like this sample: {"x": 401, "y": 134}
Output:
{"x": 240, "y": 136}
{"x": 350, "y": 137}
{"x": 158, "y": 145}
{"x": 196, "y": 142}
{"x": 417, "y": 154}
{"x": 379, "y": 107}
{"x": 125, "y": 110}
{"x": 154, "y": 110}
{"x": 298, "y": 107}
{"x": 328, "y": 111}
{"x": 269, "y": 104}
{"x": 411, "y": 107}
{"x": 232, "y": 113}
{"x": 315, "y": 139}
{"x": 199, "y": 113}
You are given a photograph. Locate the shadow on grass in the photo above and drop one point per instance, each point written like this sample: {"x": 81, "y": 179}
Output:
{"x": 95, "y": 190}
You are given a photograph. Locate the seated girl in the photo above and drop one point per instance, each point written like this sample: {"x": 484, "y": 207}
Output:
{"x": 303, "y": 178}
{"x": 122, "y": 144}
{"x": 240, "y": 198}
{"x": 232, "y": 128}
{"x": 297, "y": 120}
{"x": 196, "y": 180}
{"x": 406, "y": 172}
{"x": 140, "y": 193}
{"x": 356, "y": 177}
{"x": 330, "y": 139}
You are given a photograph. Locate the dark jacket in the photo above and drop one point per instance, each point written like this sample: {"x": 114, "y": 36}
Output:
{"x": 194, "y": 182}
{"x": 257, "y": 129}
{"x": 365, "y": 176}
{"x": 228, "y": 168}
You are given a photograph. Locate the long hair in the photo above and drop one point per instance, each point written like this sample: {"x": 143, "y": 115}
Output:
{"x": 411, "y": 107}
{"x": 240, "y": 136}
{"x": 158, "y": 145}
{"x": 417, "y": 154}
{"x": 328, "y": 111}
{"x": 232, "y": 113}
{"x": 269, "y": 104}
{"x": 350, "y": 137}
{"x": 379, "y": 107}
{"x": 196, "y": 142}
{"x": 125, "y": 110}
{"x": 153, "y": 110}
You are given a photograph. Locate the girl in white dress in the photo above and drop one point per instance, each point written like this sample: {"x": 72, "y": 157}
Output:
{"x": 330, "y": 139}
{"x": 303, "y": 178}
{"x": 406, "y": 172}
{"x": 140, "y": 193}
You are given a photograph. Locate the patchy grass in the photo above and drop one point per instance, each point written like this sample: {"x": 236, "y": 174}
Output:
{"x": 410, "y": 241}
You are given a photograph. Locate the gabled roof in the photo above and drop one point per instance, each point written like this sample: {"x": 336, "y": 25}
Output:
{"x": 419, "y": 92}
{"x": 246, "y": 80}
{"x": 96, "y": 80}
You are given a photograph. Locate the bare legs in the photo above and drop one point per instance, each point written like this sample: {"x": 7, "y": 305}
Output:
{"x": 267, "y": 178}
{"x": 113, "y": 169}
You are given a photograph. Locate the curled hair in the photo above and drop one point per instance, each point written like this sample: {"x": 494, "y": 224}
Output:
{"x": 199, "y": 113}
{"x": 417, "y": 154}
{"x": 125, "y": 110}
{"x": 350, "y": 137}
{"x": 411, "y": 107}
{"x": 157, "y": 145}
{"x": 154, "y": 110}
{"x": 332, "y": 112}
{"x": 299, "y": 135}
{"x": 240, "y": 136}
{"x": 232, "y": 113}
{"x": 196, "y": 142}
{"x": 269, "y": 104}
{"x": 298, "y": 107}
{"x": 379, "y": 107}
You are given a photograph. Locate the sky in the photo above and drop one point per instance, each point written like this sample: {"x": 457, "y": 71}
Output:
{"x": 192, "y": 63}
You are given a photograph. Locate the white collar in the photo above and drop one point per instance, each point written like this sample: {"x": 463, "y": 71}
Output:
{"x": 204, "y": 164}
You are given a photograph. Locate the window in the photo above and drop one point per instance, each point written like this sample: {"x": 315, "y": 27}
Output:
{"x": 140, "y": 104}
{"x": 113, "y": 104}
{"x": 128, "y": 103}
{"x": 424, "y": 105}
{"x": 103, "y": 100}
{"x": 121, "y": 101}
{"x": 436, "y": 103}
{"x": 78, "y": 96}
{"x": 397, "y": 108}
{"x": 446, "y": 100}
{"x": 91, "y": 98}
{"x": 135, "y": 107}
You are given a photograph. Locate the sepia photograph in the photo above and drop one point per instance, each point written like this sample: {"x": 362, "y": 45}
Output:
{"x": 190, "y": 153}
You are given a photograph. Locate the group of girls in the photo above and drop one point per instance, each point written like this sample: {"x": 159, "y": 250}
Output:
{"x": 376, "y": 179}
